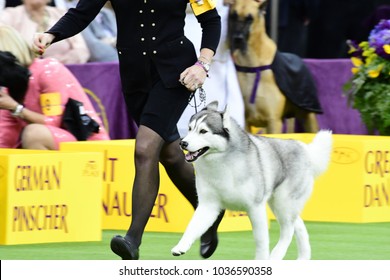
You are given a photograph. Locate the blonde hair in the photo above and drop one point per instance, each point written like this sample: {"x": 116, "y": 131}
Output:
{"x": 13, "y": 42}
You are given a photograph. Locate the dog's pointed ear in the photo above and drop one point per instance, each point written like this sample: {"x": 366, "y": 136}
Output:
{"x": 213, "y": 106}
{"x": 226, "y": 117}
{"x": 263, "y": 5}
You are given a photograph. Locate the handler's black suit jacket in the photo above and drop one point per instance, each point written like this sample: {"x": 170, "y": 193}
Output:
{"x": 149, "y": 31}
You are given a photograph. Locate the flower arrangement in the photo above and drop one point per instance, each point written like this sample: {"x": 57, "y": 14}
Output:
{"x": 369, "y": 88}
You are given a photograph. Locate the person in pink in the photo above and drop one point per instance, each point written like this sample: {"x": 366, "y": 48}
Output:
{"x": 36, "y": 16}
{"x": 31, "y": 116}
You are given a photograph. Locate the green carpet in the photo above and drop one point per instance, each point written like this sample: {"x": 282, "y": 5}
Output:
{"x": 329, "y": 241}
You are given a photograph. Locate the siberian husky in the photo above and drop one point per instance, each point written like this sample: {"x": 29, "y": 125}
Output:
{"x": 239, "y": 171}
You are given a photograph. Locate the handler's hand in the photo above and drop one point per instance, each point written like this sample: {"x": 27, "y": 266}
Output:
{"x": 193, "y": 77}
{"x": 41, "y": 42}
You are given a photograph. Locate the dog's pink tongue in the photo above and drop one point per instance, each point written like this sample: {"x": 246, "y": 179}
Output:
{"x": 190, "y": 156}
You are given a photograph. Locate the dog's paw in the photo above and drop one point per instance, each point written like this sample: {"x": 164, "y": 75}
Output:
{"x": 179, "y": 250}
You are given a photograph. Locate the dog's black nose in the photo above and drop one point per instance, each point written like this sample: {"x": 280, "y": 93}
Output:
{"x": 238, "y": 42}
{"x": 183, "y": 144}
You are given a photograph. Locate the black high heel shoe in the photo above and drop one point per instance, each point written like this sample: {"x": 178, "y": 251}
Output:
{"x": 209, "y": 245}
{"x": 124, "y": 248}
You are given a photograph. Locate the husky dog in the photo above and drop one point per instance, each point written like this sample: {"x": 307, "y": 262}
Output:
{"x": 237, "y": 170}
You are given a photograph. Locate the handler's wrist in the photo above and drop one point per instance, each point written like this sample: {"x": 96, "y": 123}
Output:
{"x": 204, "y": 65}
{"x": 52, "y": 37}
{"x": 205, "y": 59}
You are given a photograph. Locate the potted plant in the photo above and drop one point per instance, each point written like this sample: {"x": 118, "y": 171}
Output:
{"x": 368, "y": 90}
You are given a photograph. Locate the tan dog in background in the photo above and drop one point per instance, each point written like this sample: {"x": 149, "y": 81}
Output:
{"x": 267, "y": 105}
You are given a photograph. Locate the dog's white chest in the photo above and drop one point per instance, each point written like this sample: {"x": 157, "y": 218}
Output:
{"x": 230, "y": 192}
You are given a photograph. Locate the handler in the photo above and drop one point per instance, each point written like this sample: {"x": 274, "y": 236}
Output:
{"x": 159, "y": 70}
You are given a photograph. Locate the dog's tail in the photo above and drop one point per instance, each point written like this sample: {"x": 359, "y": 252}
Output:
{"x": 320, "y": 151}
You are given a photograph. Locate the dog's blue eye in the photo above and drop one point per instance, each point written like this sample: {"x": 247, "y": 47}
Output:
{"x": 203, "y": 131}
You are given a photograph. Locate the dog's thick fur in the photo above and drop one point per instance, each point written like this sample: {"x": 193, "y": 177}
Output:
{"x": 239, "y": 171}
{"x": 251, "y": 47}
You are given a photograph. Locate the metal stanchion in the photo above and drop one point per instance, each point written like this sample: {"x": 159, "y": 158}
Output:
{"x": 274, "y": 20}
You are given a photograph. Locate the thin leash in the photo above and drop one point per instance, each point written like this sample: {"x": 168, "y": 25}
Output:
{"x": 202, "y": 99}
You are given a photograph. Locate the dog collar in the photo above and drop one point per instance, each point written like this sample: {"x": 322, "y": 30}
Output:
{"x": 256, "y": 70}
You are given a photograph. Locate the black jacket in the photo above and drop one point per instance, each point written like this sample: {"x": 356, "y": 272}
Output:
{"x": 149, "y": 31}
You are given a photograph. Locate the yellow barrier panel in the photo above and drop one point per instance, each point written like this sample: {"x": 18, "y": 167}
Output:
{"x": 171, "y": 212}
{"x": 49, "y": 196}
{"x": 356, "y": 187}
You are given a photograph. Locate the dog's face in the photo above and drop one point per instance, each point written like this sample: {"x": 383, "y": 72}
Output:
{"x": 208, "y": 133}
{"x": 242, "y": 14}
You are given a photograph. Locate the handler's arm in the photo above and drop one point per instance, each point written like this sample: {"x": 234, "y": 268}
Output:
{"x": 72, "y": 23}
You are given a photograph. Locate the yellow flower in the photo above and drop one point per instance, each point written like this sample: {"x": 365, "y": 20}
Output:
{"x": 363, "y": 44}
{"x": 386, "y": 48}
{"x": 374, "y": 73}
{"x": 352, "y": 49}
{"x": 355, "y": 70}
{"x": 368, "y": 52}
{"x": 370, "y": 58}
{"x": 356, "y": 61}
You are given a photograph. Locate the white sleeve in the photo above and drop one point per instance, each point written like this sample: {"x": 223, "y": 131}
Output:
{"x": 2, "y": 5}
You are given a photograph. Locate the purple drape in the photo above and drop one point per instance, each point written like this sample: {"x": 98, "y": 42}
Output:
{"x": 330, "y": 75}
{"x": 102, "y": 79}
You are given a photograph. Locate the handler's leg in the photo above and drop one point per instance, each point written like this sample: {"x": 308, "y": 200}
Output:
{"x": 145, "y": 189}
{"x": 146, "y": 181}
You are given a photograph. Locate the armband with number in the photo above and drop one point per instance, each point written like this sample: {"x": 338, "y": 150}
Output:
{"x": 202, "y": 6}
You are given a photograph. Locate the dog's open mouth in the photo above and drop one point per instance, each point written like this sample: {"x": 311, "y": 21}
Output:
{"x": 192, "y": 156}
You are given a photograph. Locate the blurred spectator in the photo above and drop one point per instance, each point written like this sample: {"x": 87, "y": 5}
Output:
{"x": 14, "y": 3}
{"x": 36, "y": 16}
{"x": 294, "y": 19}
{"x": 33, "y": 95}
{"x": 100, "y": 35}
